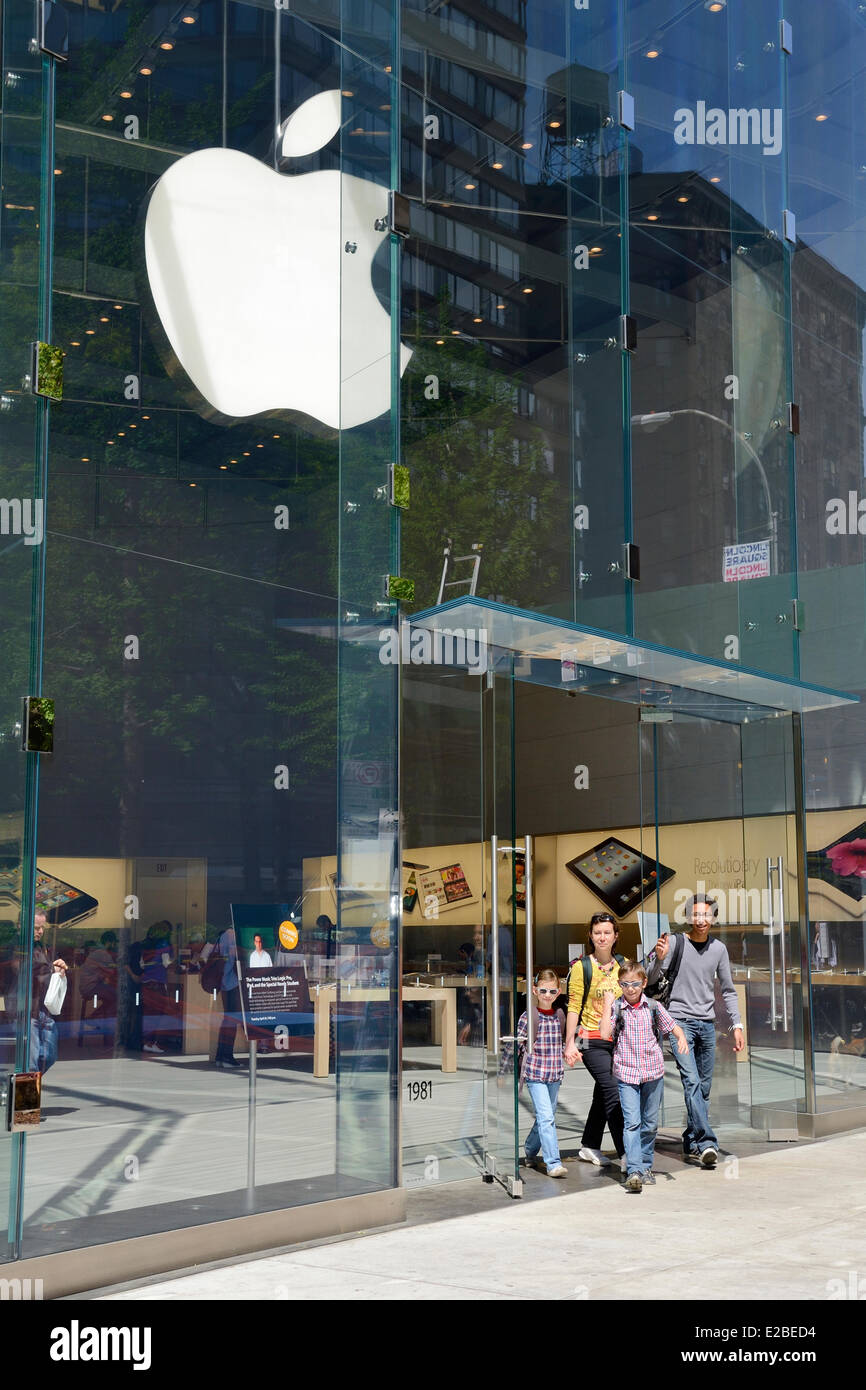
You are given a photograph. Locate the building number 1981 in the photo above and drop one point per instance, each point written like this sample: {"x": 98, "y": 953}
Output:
{"x": 420, "y": 1090}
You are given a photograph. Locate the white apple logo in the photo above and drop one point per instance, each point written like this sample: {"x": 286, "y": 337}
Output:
{"x": 261, "y": 304}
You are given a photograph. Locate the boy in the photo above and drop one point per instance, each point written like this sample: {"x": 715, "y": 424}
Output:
{"x": 636, "y": 1026}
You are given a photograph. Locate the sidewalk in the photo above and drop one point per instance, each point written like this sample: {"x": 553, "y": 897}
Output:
{"x": 780, "y": 1224}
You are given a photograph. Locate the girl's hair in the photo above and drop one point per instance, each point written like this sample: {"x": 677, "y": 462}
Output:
{"x": 594, "y": 921}
{"x": 632, "y": 967}
{"x": 548, "y": 973}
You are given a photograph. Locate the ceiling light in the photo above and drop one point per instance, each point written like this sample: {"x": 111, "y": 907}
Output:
{"x": 477, "y": 320}
{"x": 90, "y": 332}
{"x": 133, "y": 427}
{"x": 716, "y": 178}
{"x": 188, "y": 19}
{"x": 652, "y": 217}
{"x": 386, "y": 107}
{"x": 554, "y": 125}
{"x": 595, "y": 250}
{"x": 527, "y": 145}
{"x": 108, "y": 118}
{"x": 103, "y": 318}
{"x": 440, "y": 342}
{"x": 682, "y": 198}
{"x": 145, "y": 417}
{"x": 652, "y": 53}
{"x": 246, "y": 453}
{"x": 118, "y": 306}
{"x": 75, "y": 343}
{"x": 275, "y": 436}
{"x": 714, "y": 6}
{"x": 192, "y": 484}
{"x": 527, "y": 291}
{"x": 500, "y": 306}
{"x": 223, "y": 467}
{"x": 85, "y": 460}
{"x": 145, "y": 72}
{"x": 347, "y": 94}
{"x": 497, "y": 164}
{"x": 260, "y": 446}
{"x": 388, "y": 68}
{"x": 167, "y": 45}
{"x": 470, "y": 185}
{"x": 822, "y": 117}
{"x": 121, "y": 434}
{"x": 455, "y": 332}
{"x": 58, "y": 171}
{"x": 232, "y": 460}
{"x": 109, "y": 441}
{"x": 126, "y": 95}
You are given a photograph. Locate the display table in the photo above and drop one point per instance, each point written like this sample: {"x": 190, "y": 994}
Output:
{"x": 444, "y": 998}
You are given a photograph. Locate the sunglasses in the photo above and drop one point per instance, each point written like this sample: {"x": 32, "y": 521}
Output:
{"x": 542, "y": 990}
{"x": 631, "y": 984}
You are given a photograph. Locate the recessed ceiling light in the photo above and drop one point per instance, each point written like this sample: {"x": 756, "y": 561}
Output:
{"x": 260, "y": 446}
{"x": 232, "y": 460}
{"x": 554, "y": 125}
{"x": 275, "y": 436}
{"x": 192, "y": 484}
{"x": 246, "y": 453}
{"x": 117, "y": 306}
{"x": 500, "y": 306}
{"x": 121, "y": 434}
{"x": 90, "y": 332}
{"x": 388, "y": 68}
{"x": 109, "y": 441}
{"x": 682, "y": 198}
{"x": 106, "y": 117}
{"x": 497, "y": 164}
{"x": 440, "y": 342}
{"x": 347, "y": 94}
{"x": 652, "y": 217}
{"x": 75, "y": 343}
{"x": 822, "y": 117}
{"x": 595, "y": 250}
{"x": 527, "y": 291}
{"x": 103, "y": 318}
{"x": 126, "y": 95}
{"x": 477, "y": 320}
{"x": 167, "y": 45}
{"x": 717, "y": 178}
{"x": 527, "y": 145}
{"x": 145, "y": 417}
{"x": 58, "y": 171}
{"x": 652, "y": 53}
{"x": 85, "y": 460}
{"x": 455, "y": 332}
{"x": 188, "y": 19}
{"x": 470, "y": 185}
{"x": 145, "y": 72}
{"x": 223, "y": 467}
{"x": 714, "y": 6}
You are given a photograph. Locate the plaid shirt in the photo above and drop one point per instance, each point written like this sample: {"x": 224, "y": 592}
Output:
{"x": 545, "y": 1063}
{"x": 637, "y": 1056}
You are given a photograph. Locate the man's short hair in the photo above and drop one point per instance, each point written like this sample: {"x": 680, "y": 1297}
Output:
{"x": 701, "y": 898}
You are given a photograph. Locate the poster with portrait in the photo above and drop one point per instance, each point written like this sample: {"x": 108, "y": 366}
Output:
{"x": 272, "y": 975}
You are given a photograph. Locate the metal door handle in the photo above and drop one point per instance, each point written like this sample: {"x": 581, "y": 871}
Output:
{"x": 771, "y": 926}
{"x": 494, "y": 941}
{"x": 783, "y": 961}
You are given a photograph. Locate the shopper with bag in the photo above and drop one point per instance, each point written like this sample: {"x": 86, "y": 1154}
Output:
{"x": 48, "y": 995}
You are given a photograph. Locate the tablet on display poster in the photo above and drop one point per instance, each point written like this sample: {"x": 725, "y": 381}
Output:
{"x": 620, "y": 876}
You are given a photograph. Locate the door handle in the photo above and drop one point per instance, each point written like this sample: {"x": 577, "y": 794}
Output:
{"x": 771, "y": 929}
{"x": 494, "y": 941}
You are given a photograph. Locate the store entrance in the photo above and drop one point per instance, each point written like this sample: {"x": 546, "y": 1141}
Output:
{"x": 539, "y": 794}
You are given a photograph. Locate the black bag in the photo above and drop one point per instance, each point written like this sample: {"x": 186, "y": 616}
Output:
{"x": 662, "y": 986}
{"x": 211, "y": 975}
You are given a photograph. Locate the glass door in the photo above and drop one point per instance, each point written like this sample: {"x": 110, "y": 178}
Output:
{"x": 772, "y": 960}
{"x": 507, "y": 885}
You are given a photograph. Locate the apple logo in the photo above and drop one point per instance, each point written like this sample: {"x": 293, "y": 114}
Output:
{"x": 260, "y": 302}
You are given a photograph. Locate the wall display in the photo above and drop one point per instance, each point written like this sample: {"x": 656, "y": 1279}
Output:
{"x": 442, "y": 889}
{"x": 272, "y": 977}
{"x": 842, "y": 863}
{"x": 619, "y": 875}
{"x": 62, "y": 904}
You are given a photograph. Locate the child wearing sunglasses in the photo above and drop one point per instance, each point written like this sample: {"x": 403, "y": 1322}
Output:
{"x": 636, "y": 1026}
{"x": 542, "y": 1071}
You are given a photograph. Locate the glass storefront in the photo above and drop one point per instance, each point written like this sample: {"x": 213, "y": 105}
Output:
{"x": 365, "y": 307}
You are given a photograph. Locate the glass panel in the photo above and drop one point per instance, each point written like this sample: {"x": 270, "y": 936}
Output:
{"x": 776, "y": 973}
{"x": 225, "y": 754}
{"x": 24, "y": 223}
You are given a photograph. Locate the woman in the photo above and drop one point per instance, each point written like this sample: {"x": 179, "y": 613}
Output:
{"x": 583, "y": 1040}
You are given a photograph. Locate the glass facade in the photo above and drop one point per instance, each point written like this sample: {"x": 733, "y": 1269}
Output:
{"x": 583, "y": 284}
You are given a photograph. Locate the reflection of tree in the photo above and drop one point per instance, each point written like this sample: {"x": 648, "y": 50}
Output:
{"x": 478, "y": 474}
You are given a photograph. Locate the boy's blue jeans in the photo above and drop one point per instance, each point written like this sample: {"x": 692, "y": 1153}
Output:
{"x": 542, "y": 1136}
{"x": 640, "y": 1112}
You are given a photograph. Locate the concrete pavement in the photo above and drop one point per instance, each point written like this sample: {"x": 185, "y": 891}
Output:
{"x": 787, "y": 1223}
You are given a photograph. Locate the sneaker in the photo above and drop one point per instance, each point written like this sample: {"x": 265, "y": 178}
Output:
{"x": 593, "y": 1156}
{"x": 649, "y": 1178}
{"x": 153, "y": 1047}
{"x": 709, "y": 1157}
{"x": 533, "y": 1161}
{"x": 557, "y": 1170}
{"x": 634, "y": 1183}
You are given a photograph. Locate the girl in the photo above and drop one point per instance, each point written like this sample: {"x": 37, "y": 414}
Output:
{"x": 584, "y": 1042}
{"x": 634, "y": 1026}
{"x": 542, "y": 1071}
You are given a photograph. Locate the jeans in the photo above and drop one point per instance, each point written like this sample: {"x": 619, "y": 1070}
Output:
{"x": 43, "y": 1041}
{"x": 598, "y": 1060}
{"x": 640, "y": 1112}
{"x": 542, "y": 1136}
{"x": 696, "y": 1074}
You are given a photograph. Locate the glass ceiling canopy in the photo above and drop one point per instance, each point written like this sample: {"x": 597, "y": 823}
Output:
{"x": 552, "y": 651}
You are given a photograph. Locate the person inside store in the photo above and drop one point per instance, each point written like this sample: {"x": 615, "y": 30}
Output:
{"x": 226, "y": 951}
{"x": 584, "y": 1042}
{"x": 43, "y": 1022}
{"x": 259, "y": 958}
{"x": 97, "y": 986}
{"x": 692, "y": 1004}
{"x": 147, "y": 965}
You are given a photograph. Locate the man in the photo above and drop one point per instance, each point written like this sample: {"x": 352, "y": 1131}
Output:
{"x": 226, "y": 949}
{"x": 43, "y": 1026}
{"x": 692, "y": 1006}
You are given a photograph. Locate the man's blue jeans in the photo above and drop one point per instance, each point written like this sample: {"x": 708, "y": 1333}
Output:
{"x": 640, "y": 1113}
{"x": 696, "y": 1074}
{"x": 43, "y": 1041}
{"x": 543, "y": 1135}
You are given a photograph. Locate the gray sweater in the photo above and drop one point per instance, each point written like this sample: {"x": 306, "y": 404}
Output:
{"x": 693, "y": 994}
